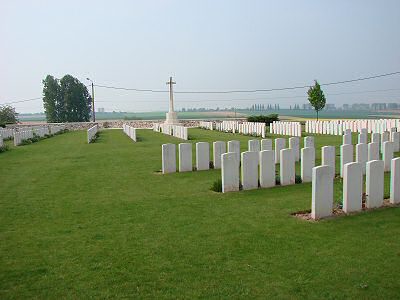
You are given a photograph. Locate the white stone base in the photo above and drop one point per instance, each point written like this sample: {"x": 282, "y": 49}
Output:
{"x": 172, "y": 118}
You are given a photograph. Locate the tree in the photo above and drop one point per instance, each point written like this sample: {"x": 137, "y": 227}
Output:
{"x": 8, "y": 115}
{"x": 51, "y": 99}
{"x": 316, "y": 97}
{"x": 66, "y": 100}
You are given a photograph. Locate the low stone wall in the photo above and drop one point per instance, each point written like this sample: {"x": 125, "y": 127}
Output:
{"x": 148, "y": 124}
{"x": 106, "y": 124}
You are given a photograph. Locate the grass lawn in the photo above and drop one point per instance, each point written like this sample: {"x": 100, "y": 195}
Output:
{"x": 97, "y": 220}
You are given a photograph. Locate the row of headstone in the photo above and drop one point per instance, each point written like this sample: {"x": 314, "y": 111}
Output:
{"x": 280, "y": 143}
{"x": 322, "y": 187}
{"x": 247, "y": 128}
{"x": 129, "y": 131}
{"x": 177, "y": 131}
{"x": 7, "y": 133}
{"x": 1, "y": 141}
{"x": 338, "y": 127}
{"x": 91, "y": 133}
{"x": 258, "y": 168}
{"x": 285, "y": 128}
{"x": 365, "y": 153}
{"x": 378, "y": 138}
{"x": 30, "y": 132}
{"x": 169, "y": 161}
{"x": 206, "y": 125}
{"x": 219, "y": 148}
{"x": 20, "y": 136}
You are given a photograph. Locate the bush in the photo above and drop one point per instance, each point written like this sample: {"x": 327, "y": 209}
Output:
{"x": 217, "y": 186}
{"x": 298, "y": 179}
{"x": 264, "y": 119}
{"x": 3, "y": 148}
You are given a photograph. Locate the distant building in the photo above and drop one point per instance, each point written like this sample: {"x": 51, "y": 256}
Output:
{"x": 393, "y": 106}
{"x": 307, "y": 106}
{"x": 378, "y": 106}
{"x": 330, "y": 106}
{"x": 360, "y": 106}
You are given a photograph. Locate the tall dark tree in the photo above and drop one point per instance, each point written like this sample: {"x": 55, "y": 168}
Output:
{"x": 51, "y": 99}
{"x": 316, "y": 97}
{"x": 8, "y": 115}
{"x": 66, "y": 100}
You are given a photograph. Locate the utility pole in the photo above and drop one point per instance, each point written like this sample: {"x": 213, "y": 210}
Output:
{"x": 93, "y": 110}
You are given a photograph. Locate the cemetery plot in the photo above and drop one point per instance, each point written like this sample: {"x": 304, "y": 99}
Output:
{"x": 247, "y": 128}
{"x": 177, "y": 131}
{"x": 100, "y": 210}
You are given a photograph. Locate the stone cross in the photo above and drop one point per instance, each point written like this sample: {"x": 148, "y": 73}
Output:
{"x": 171, "y": 94}
{"x": 172, "y": 116}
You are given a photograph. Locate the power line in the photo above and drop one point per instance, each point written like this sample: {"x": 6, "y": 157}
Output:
{"x": 231, "y": 91}
{"x": 251, "y": 91}
{"x": 19, "y": 101}
{"x": 254, "y": 99}
{"x": 131, "y": 89}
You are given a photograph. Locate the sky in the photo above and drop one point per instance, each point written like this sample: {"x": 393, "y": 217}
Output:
{"x": 205, "y": 45}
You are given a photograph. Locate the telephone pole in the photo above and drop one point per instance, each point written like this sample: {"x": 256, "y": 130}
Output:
{"x": 93, "y": 110}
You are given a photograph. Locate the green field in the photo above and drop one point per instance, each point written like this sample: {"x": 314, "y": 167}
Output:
{"x": 240, "y": 113}
{"x": 98, "y": 220}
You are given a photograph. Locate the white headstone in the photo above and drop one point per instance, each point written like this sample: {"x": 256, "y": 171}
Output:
{"x": 395, "y": 138}
{"x": 373, "y": 151}
{"x": 168, "y": 158}
{"x": 266, "y": 144}
{"x": 362, "y": 138}
{"x": 250, "y": 170}
{"x": 267, "y": 168}
{"x": 322, "y": 192}
{"x": 234, "y": 146}
{"x": 287, "y": 164}
{"x": 375, "y": 138}
{"x": 219, "y": 148}
{"x": 280, "y": 144}
{"x": 362, "y": 156}
{"x": 230, "y": 172}
{"x": 328, "y": 157}
{"x": 307, "y": 163}
{"x": 202, "y": 156}
{"x": 352, "y": 187}
{"x": 347, "y": 139}
{"x": 254, "y": 145}
{"x": 387, "y": 155}
{"x": 374, "y": 183}
{"x": 384, "y": 138}
{"x": 395, "y": 181}
{"x": 346, "y": 156}
{"x": 309, "y": 142}
{"x": 185, "y": 157}
{"x": 294, "y": 144}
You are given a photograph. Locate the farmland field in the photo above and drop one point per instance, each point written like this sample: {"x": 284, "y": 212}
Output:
{"x": 98, "y": 220}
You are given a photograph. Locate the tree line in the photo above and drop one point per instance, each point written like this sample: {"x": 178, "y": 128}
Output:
{"x": 66, "y": 100}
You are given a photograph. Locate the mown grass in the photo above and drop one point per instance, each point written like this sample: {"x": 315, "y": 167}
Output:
{"x": 82, "y": 220}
